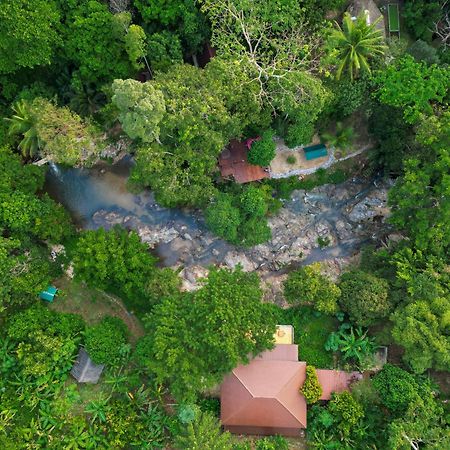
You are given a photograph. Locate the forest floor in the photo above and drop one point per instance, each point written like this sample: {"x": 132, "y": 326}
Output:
{"x": 93, "y": 305}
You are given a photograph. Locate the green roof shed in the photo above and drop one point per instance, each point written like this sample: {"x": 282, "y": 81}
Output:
{"x": 49, "y": 294}
{"x": 315, "y": 151}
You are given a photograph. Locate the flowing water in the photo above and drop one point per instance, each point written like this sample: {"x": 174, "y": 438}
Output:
{"x": 99, "y": 197}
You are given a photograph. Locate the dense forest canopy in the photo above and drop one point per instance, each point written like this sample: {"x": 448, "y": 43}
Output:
{"x": 80, "y": 76}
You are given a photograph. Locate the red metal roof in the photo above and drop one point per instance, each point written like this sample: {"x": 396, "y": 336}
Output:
{"x": 335, "y": 381}
{"x": 233, "y": 162}
{"x": 263, "y": 397}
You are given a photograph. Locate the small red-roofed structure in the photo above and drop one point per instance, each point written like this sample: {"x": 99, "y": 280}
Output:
{"x": 233, "y": 163}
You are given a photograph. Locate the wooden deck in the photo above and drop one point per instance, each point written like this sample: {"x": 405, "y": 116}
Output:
{"x": 233, "y": 163}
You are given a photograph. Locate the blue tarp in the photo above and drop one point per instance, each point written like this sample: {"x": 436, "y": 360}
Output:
{"x": 49, "y": 294}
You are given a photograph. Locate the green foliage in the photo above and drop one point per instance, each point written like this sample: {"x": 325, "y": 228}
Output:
{"x": 195, "y": 338}
{"x": 421, "y": 51}
{"x": 203, "y": 433}
{"x": 272, "y": 443}
{"x": 196, "y": 118}
{"x": 135, "y": 45}
{"x": 181, "y": 16}
{"x": 104, "y": 340}
{"x": 307, "y": 286}
{"x": 419, "y": 17}
{"x": 354, "y": 345}
{"x": 118, "y": 261}
{"x": 164, "y": 51}
{"x": 141, "y": 108}
{"x": 108, "y": 58}
{"x": 262, "y": 151}
{"x": 354, "y": 45}
{"x": 28, "y": 34}
{"x": 364, "y": 297}
{"x": 396, "y": 387}
{"x": 422, "y": 329}
{"x": 291, "y": 159}
{"x": 346, "y": 412}
{"x": 349, "y": 95}
{"x": 52, "y": 132}
{"x": 47, "y": 341}
{"x": 413, "y": 86}
{"x": 420, "y": 199}
{"x": 311, "y": 389}
{"x": 341, "y": 138}
{"x": 394, "y": 137}
{"x": 311, "y": 333}
{"x": 240, "y": 219}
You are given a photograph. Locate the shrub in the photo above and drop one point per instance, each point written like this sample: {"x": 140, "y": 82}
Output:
{"x": 263, "y": 151}
{"x": 308, "y": 286}
{"x": 272, "y": 443}
{"x": 299, "y": 134}
{"x": 104, "y": 340}
{"x": 311, "y": 389}
{"x": 291, "y": 159}
{"x": 397, "y": 388}
{"x": 364, "y": 297}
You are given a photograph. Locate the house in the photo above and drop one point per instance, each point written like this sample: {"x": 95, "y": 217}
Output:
{"x": 264, "y": 396}
{"x": 233, "y": 163}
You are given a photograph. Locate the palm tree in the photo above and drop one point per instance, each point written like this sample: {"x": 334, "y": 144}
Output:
{"x": 355, "y": 43}
{"x": 23, "y": 122}
{"x": 342, "y": 137}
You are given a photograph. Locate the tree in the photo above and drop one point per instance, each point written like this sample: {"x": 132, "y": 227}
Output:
{"x": 28, "y": 34}
{"x": 422, "y": 329}
{"x": 262, "y": 151}
{"x": 341, "y": 138}
{"x": 413, "y": 86}
{"x": 23, "y": 123}
{"x": 347, "y": 413}
{"x": 104, "y": 341}
{"x": 196, "y": 118}
{"x": 141, "y": 108}
{"x": 108, "y": 59}
{"x": 364, "y": 297}
{"x": 240, "y": 219}
{"x": 222, "y": 218}
{"x": 164, "y": 50}
{"x": 115, "y": 260}
{"x": 135, "y": 45}
{"x": 397, "y": 388}
{"x": 311, "y": 389}
{"x": 203, "y": 433}
{"x": 195, "y": 338}
{"x": 307, "y": 286}
{"x": 421, "y": 51}
{"x": 181, "y": 16}
{"x": 270, "y": 38}
{"x": 355, "y": 44}
{"x": 420, "y": 15}
{"x": 55, "y": 133}
{"x": 46, "y": 340}
{"x": 420, "y": 199}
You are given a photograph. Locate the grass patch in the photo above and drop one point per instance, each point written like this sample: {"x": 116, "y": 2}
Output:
{"x": 93, "y": 305}
{"x": 311, "y": 331}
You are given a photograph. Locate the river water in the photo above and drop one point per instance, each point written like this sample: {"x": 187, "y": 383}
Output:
{"x": 98, "y": 197}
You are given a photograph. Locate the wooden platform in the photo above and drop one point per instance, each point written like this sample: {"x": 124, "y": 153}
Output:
{"x": 233, "y": 163}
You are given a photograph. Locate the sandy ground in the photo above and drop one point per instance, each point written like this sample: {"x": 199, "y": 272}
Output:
{"x": 280, "y": 165}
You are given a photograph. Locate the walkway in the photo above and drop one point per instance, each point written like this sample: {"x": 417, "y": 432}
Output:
{"x": 324, "y": 163}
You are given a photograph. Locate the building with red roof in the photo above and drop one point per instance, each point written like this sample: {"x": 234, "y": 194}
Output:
{"x": 264, "y": 396}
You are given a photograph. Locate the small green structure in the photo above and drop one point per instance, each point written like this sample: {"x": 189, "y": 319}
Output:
{"x": 49, "y": 294}
{"x": 394, "y": 18}
{"x": 315, "y": 151}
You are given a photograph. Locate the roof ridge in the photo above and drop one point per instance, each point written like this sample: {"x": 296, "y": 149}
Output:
{"x": 290, "y": 412}
{"x": 246, "y": 388}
